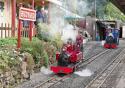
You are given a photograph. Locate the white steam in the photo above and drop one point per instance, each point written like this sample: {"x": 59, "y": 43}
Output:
{"x": 59, "y": 9}
{"x": 84, "y": 72}
{"x": 57, "y": 22}
{"x": 69, "y": 32}
{"x": 79, "y": 6}
{"x": 45, "y": 71}
{"x": 57, "y": 2}
{"x": 83, "y": 8}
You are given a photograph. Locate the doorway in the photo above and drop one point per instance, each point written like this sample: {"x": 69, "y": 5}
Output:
{"x": 101, "y": 30}
{"x": 120, "y": 32}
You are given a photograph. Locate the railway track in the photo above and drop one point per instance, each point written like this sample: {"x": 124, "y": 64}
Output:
{"x": 55, "y": 79}
{"x": 99, "y": 80}
{"x": 50, "y": 82}
{"x": 94, "y": 57}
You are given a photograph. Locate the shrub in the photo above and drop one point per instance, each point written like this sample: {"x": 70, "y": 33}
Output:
{"x": 43, "y": 32}
{"x": 8, "y": 41}
{"x": 36, "y": 48}
{"x": 57, "y": 41}
{"x": 8, "y": 60}
{"x": 46, "y": 58}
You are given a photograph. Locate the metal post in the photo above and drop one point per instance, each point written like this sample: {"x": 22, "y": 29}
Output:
{"x": 31, "y": 24}
{"x": 13, "y": 16}
{"x": 94, "y": 25}
{"x": 19, "y": 32}
{"x": 48, "y": 13}
{"x": 95, "y": 8}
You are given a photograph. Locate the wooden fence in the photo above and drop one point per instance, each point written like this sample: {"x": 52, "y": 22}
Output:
{"x": 6, "y": 31}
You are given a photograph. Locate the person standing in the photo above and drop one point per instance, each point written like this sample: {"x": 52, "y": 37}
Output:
{"x": 109, "y": 36}
{"x": 115, "y": 33}
{"x": 39, "y": 16}
{"x": 79, "y": 40}
{"x": 97, "y": 37}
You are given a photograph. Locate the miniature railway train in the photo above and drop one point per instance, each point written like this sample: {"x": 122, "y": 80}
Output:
{"x": 112, "y": 39}
{"x": 110, "y": 43}
{"x": 69, "y": 58}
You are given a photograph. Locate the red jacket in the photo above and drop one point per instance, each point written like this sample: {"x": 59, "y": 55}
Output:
{"x": 79, "y": 39}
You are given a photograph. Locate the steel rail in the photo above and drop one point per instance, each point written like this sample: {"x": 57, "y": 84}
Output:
{"x": 113, "y": 64}
{"x": 89, "y": 60}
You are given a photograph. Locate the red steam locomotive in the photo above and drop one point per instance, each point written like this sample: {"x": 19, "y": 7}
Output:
{"x": 69, "y": 58}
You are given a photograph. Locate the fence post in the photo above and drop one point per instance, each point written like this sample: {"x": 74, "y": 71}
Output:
{"x": 5, "y": 29}
{"x": 13, "y": 17}
{"x": 27, "y": 32}
{"x": 1, "y": 30}
{"x": 19, "y": 34}
{"x": 8, "y": 30}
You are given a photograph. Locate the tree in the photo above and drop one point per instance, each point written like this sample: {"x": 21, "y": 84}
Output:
{"x": 106, "y": 10}
{"x": 113, "y": 13}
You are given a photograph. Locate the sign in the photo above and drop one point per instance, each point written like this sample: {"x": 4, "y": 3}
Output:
{"x": 27, "y": 14}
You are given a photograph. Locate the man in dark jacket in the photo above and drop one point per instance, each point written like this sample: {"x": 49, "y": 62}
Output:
{"x": 39, "y": 16}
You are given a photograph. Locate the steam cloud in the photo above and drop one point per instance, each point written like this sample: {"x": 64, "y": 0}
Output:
{"x": 57, "y": 13}
{"x": 79, "y": 6}
{"x": 60, "y": 25}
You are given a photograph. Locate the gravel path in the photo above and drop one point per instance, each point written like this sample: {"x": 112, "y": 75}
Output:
{"x": 35, "y": 80}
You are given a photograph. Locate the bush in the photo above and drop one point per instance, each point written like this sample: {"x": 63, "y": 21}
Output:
{"x": 8, "y": 60}
{"x": 57, "y": 42}
{"x": 43, "y": 32}
{"x": 36, "y": 48}
{"x": 46, "y": 58}
{"x": 8, "y": 41}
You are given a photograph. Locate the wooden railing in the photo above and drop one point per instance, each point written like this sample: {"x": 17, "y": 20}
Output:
{"x": 6, "y": 31}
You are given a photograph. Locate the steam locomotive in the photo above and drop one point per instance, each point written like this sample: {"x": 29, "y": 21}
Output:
{"x": 112, "y": 39}
{"x": 69, "y": 58}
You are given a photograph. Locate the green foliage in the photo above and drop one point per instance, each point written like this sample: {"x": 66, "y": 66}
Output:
{"x": 35, "y": 47}
{"x": 43, "y": 27}
{"x": 113, "y": 13}
{"x": 100, "y": 8}
{"x": 8, "y": 60}
{"x": 106, "y": 10}
{"x": 43, "y": 32}
{"x": 3, "y": 66}
{"x": 30, "y": 61}
{"x": 8, "y": 41}
{"x": 46, "y": 58}
{"x": 26, "y": 45}
{"x": 57, "y": 42}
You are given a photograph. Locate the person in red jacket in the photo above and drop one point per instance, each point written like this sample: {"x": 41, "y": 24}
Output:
{"x": 79, "y": 41}
{"x": 69, "y": 45}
